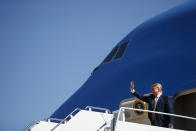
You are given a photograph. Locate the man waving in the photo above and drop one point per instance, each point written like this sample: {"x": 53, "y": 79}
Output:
{"x": 156, "y": 102}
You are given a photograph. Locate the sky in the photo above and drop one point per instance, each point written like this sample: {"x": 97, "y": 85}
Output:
{"x": 48, "y": 49}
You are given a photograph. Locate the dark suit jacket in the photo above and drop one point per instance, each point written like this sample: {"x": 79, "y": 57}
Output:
{"x": 164, "y": 104}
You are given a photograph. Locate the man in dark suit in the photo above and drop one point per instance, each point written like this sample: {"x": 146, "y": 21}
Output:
{"x": 157, "y": 102}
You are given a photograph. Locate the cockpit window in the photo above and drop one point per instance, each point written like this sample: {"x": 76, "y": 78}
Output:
{"x": 116, "y": 53}
{"x": 121, "y": 50}
{"x": 111, "y": 55}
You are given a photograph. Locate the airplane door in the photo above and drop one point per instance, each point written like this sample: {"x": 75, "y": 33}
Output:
{"x": 185, "y": 104}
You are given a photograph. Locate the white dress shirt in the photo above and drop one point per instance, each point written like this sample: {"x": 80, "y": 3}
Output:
{"x": 158, "y": 99}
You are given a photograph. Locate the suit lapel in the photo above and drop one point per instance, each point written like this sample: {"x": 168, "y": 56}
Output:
{"x": 158, "y": 102}
{"x": 152, "y": 99}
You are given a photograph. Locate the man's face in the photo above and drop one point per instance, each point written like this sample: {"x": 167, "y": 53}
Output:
{"x": 155, "y": 90}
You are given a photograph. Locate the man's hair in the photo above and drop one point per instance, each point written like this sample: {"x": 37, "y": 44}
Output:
{"x": 158, "y": 85}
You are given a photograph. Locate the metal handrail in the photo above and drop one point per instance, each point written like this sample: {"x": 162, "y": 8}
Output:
{"x": 31, "y": 124}
{"x": 98, "y": 108}
{"x": 70, "y": 115}
{"x": 156, "y": 112}
{"x": 55, "y": 119}
{"x": 103, "y": 125}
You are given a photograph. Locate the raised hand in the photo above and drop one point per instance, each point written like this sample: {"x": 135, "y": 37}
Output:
{"x": 170, "y": 125}
{"x": 132, "y": 86}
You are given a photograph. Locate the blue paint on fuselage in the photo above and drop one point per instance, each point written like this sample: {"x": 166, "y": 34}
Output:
{"x": 162, "y": 50}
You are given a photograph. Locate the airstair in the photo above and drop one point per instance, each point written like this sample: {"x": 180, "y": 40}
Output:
{"x": 98, "y": 119}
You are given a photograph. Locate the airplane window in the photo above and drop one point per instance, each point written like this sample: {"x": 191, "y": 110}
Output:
{"x": 110, "y": 56}
{"x": 121, "y": 50}
{"x": 116, "y": 53}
